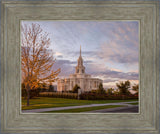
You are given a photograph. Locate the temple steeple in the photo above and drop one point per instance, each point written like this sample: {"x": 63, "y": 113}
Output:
{"x": 80, "y": 50}
{"x": 80, "y": 69}
{"x": 80, "y": 60}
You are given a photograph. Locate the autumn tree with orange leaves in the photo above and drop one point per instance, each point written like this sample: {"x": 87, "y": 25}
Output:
{"x": 36, "y": 58}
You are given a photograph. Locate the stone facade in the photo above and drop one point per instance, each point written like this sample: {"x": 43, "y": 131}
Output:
{"x": 83, "y": 80}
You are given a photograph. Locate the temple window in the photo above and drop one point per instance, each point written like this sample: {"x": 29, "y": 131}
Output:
{"x": 77, "y": 70}
{"x": 72, "y": 83}
{"x": 82, "y": 70}
{"x": 95, "y": 84}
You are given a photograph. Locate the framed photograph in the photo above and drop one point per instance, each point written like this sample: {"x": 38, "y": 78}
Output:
{"x": 59, "y": 75}
{"x": 80, "y": 66}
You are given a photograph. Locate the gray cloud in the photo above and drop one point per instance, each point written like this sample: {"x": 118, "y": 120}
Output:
{"x": 125, "y": 58}
{"x": 121, "y": 75}
{"x": 108, "y": 74}
{"x": 84, "y": 53}
{"x": 116, "y": 74}
{"x": 59, "y": 56}
{"x": 120, "y": 53}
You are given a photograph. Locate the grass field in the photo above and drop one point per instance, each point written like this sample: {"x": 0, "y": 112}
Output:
{"x": 45, "y": 102}
{"x": 77, "y": 110}
{"x": 134, "y": 103}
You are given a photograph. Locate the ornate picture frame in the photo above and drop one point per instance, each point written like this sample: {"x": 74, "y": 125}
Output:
{"x": 146, "y": 12}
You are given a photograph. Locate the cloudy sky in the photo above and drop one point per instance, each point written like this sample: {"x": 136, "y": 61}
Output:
{"x": 109, "y": 48}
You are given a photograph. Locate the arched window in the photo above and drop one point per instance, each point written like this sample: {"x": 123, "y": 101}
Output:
{"x": 95, "y": 84}
{"x": 82, "y": 70}
{"x": 72, "y": 84}
{"x": 77, "y": 70}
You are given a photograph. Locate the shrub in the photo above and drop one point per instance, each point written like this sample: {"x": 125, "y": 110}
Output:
{"x": 75, "y": 89}
{"x": 96, "y": 96}
{"x": 59, "y": 95}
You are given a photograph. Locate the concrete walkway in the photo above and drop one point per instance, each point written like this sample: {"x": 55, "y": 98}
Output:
{"x": 129, "y": 109}
{"x": 74, "y": 107}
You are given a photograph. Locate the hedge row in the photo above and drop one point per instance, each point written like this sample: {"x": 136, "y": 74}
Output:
{"x": 87, "y": 96}
{"x": 92, "y": 96}
{"x": 59, "y": 95}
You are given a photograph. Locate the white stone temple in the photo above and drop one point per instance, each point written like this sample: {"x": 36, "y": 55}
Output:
{"x": 83, "y": 80}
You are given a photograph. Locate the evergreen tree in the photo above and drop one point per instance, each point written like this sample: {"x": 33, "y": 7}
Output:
{"x": 123, "y": 87}
{"x": 101, "y": 89}
{"x": 75, "y": 88}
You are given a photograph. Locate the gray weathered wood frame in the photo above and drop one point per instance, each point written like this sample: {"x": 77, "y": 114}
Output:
{"x": 146, "y": 12}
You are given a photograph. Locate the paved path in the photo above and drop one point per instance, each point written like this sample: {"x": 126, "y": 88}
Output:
{"x": 129, "y": 109}
{"x": 74, "y": 107}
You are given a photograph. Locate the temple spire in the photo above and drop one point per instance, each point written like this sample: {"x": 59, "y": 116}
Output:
{"x": 80, "y": 69}
{"x": 80, "y": 50}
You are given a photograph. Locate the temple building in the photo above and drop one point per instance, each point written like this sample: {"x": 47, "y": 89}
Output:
{"x": 83, "y": 80}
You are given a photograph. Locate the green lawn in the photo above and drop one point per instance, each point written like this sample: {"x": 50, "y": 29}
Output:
{"x": 134, "y": 103}
{"x": 77, "y": 110}
{"x": 46, "y": 102}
